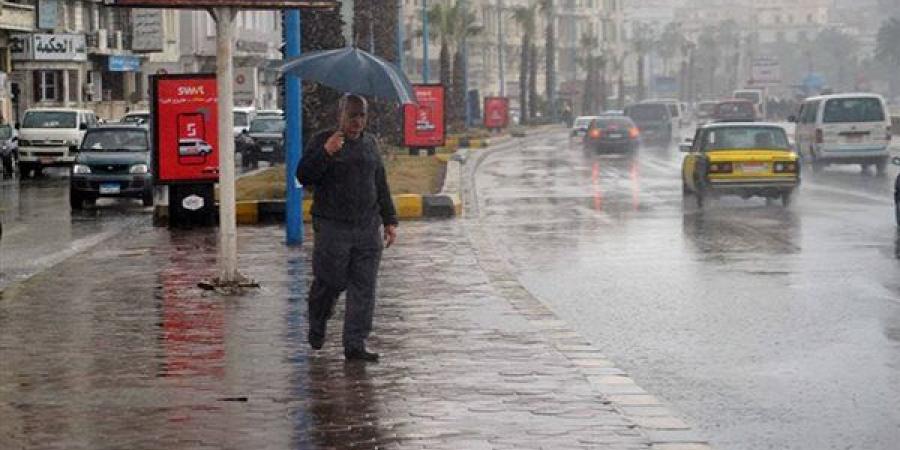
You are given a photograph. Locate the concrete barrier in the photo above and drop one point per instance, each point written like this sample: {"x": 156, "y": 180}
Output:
{"x": 409, "y": 207}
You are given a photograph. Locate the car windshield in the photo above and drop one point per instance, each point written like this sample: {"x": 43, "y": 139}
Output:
{"x": 844, "y": 110}
{"x": 241, "y": 119}
{"x": 267, "y": 126}
{"x": 50, "y": 119}
{"x": 648, "y": 112}
{"x": 746, "y": 138}
{"x": 115, "y": 141}
{"x": 613, "y": 123}
{"x": 752, "y": 96}
{"x": 136, "y": 118}
{"x": 734, "y": 109}
{"x": 582, "y": 122}
{"x": 5, "y": 132}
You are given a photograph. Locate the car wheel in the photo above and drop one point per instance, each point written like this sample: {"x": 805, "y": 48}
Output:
{"x": 147, "y": 198}
{"x": 786, "y": 199}
{"x": 881, "y": 167}
{"x": 76, "y": 201}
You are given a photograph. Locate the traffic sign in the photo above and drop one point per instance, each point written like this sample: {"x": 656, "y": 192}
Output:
{"x": 765, "y": 72}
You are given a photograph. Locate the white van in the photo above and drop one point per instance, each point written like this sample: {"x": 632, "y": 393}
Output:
{"x": 51, "y": 136}
{"x": 755, "y": 96}
{"x": 844, "y": 129}
{"x": 243, "y": 115}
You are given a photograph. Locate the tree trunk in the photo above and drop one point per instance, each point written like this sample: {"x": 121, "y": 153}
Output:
{"x": 532, "y": 82}
{"x": 550, "y": 68}
{"x": 446, "y": 74}
{"x": 457, "y": 93}
{"x": 603, "y": 88}
{"x": 642, "y": 88}
{"x": 523, "y": 80}
{"x": 587, "y": 108}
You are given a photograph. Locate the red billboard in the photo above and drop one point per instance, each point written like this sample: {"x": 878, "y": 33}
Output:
{"x": 424, "y": 124}
{"x": 496, "y": 112}
{"x": 185, "y": 131}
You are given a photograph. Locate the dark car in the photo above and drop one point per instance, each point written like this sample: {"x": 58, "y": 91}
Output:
{"x": 113, "y": 161}
{"x": 267, "y": 136}
{"x": 736, "y": 110}
{"x": 655, "y": 121}
{"x": 896, "y": 161}
{"x": 9, "y": 148}
{"x": 612, "y": 134}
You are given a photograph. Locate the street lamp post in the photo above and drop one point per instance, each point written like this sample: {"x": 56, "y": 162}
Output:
{"x": 426, "y": 75}
{"x": 465, "y": 49}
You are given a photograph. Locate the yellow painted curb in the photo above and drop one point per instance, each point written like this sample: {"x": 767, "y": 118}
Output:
{"x": 409, "y": 206}
{"x": 443, "y": 157}
{"x": 247, "y": 212}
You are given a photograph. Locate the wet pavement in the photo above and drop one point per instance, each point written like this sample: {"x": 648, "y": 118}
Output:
{"x": 767, "y": 327}
{"x": 118, "y": 348}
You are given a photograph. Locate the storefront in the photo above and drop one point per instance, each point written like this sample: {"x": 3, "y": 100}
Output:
{"x": 49, "y": 69}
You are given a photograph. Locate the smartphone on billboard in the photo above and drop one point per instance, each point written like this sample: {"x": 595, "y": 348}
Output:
{"x": 192, "y": 146}
{"x": 424, "y": 120}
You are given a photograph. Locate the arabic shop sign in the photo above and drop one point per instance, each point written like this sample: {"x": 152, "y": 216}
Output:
{"x": 122, "y": 63}
{"x": 47, "y": 47}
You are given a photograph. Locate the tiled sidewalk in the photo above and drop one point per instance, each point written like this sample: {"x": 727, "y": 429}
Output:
{"x": 118, "y": 348}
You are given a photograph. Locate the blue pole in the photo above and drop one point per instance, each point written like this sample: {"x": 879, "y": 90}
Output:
{"x": 400, "y": 34}
{"x": 426, "y": 73}
{"x": 293, "y": 132}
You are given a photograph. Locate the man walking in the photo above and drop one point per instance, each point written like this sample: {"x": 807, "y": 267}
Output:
{"x": 352, "y": 201}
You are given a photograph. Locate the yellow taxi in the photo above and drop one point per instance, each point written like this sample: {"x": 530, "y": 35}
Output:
{"x": 751, "y": 159}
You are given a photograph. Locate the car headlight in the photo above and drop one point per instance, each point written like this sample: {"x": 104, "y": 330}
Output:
{"x": 139, "y": 169}
{"x": 81, "y": 168}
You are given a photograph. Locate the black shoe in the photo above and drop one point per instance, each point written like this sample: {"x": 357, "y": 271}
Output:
{"x": 360, "y": 354}
{"x": 315, "y": 341}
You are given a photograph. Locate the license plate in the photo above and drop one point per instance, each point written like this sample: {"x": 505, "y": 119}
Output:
{"x": 45, "y": 160}
{"x": 754, "y": 167}
{"x": 616, "y": 135}
{"x": 268, "y": 149}
{"x": 854, "y": 138}
{"x": 109, "y": 188}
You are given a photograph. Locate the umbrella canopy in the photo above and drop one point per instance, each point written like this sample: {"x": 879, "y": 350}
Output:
{"x": 355, "y": 71}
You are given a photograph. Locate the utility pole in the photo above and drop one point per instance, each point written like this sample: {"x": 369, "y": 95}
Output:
{"x": 500, "y": 48}
{"x": 426, "y": 75}
{"x": 228, "y": 260}
{"x": 293, "y": 103}
{"x": 465, "y": 49}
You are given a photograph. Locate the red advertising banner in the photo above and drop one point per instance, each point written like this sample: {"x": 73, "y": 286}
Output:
{"x": 496, "y": 112}
{"x": 185, "y": 128}
{"x": 424, "y": 124}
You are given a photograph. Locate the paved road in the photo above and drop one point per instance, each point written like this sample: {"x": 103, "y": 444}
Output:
{"x": 766, "y": 327}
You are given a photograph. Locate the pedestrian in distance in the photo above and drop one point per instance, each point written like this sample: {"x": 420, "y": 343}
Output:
{"x": 351, "y": 205}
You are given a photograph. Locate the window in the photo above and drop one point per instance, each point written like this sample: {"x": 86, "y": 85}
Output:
{"x": 46, "y": 88}
{"x": 860, "y": 109}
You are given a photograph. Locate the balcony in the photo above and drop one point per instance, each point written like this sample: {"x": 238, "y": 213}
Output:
{"x": 16, "y": 16}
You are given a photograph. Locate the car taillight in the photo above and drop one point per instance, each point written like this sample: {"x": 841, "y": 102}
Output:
{"x": 595, "y": 133}
{"x": 785, "y": 167}
{"x": 820, "y": 136}
{"x": 634, "y": 133}
{"x": 721, "y": 168}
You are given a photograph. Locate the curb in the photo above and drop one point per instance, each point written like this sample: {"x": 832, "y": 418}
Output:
{"x": 662, "y": 426}
{"x": 409, "y": 207}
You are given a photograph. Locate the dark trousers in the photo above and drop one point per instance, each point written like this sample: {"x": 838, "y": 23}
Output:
{"x": 345, "y": 257}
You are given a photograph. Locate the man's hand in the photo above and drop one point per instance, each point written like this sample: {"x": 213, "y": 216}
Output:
{"x": 390, "y": 235}
{"x": 334, "y": 143}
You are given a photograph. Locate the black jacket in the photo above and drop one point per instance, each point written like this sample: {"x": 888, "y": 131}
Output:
{"x": 350, "y": 186}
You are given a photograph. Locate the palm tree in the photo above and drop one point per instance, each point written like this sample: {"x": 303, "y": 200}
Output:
{"x": 463, "y": 30}
{"x": 524, "y": 16}
{"x": 442, "y": 19}
{"x": 547, "y": 9}
{"x": 642, "y": 42}
{"x": 321, "y": 30}
{"x": 887, "y": 49}
{"x": 594, "y": 66}
{"x": 708, "y": 47}
{"x": 376, "y": 26}
{"x": 670, "y": 42}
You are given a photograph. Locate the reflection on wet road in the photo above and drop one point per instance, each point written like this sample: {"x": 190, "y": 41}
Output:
{"x": 39, "y": 228}
{"x": 767, "y": 327}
